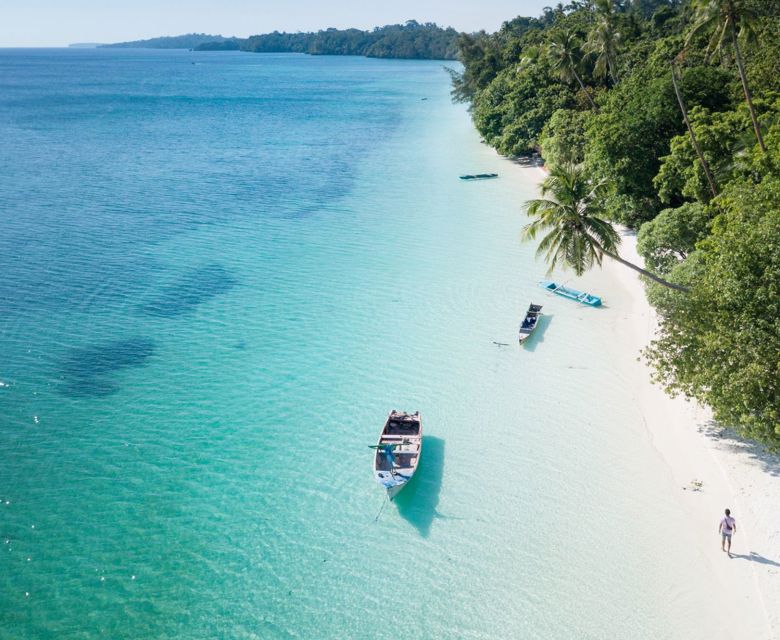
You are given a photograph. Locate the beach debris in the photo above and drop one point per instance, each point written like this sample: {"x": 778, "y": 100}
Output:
{"x": 26, "y": 594}
{"x": 695, "y": 485}
{"x": 4, "y": 384}
{"x": 132, "y": 577}
{"x": 35, "y": 419}
{"x": 501, "y": 344}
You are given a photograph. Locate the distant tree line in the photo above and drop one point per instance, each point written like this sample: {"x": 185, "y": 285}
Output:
{"x": 411, "y": 40}
{"x": 187, "y": 41}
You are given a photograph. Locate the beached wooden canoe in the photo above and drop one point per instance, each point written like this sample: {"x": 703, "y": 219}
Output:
{"x": 530, "y": 322}
{"x": 397, "y": 453}
{"x": 572, "y": 294}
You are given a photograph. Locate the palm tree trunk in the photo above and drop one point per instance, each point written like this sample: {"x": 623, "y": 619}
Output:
{"x": 640, "y": 270}
{"x": 695, "y": 142}
{"x": 585, "y": 91}
{"x": 745, "y": 88}
{"x": 613, "y": 71}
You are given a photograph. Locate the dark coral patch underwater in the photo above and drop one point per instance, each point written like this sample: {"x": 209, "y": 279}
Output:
{"x": 86, "y": 371}
{"x": 194, "y": 288}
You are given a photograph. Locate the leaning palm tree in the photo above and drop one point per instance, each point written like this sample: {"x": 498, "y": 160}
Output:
{"x": 570, "y": 210}
{"x": 564, "y": 51}
{"x": 691, "y": 133}
{"x": 728, "y": 21}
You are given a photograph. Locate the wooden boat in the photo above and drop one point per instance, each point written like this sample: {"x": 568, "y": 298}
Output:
{"x": 572, "y": 294}
{"x": 479, "y": 176}
{"x": 529, "y": 322}
{"x": 398, "y": 451}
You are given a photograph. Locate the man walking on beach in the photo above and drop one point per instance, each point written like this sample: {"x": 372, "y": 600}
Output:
{"x": 727, "y": 528}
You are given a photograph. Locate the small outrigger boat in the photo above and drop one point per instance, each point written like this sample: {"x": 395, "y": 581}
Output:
{"x": 398, "y": 451}
{"x": 479, "y": 176}
{"x": 572, "y": 294}
{"x": 529, "y": 322}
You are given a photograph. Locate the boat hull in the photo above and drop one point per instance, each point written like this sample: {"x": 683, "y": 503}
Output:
{"x": 480, "y": 176}
{"x": 397, "y": 453}
{"x": 393, "y": 487}
{"x": 571, "y": 294}
{"x": 530, "y": 322}
{"x": 524, "y": 336}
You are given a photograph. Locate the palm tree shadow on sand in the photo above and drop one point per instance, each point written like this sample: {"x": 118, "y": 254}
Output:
{"x": 418, "y": 501}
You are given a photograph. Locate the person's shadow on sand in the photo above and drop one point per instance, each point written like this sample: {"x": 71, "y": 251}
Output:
{"x": 756, "y": 557}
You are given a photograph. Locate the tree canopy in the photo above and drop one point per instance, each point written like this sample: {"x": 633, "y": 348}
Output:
{"x": 721, "y": 342}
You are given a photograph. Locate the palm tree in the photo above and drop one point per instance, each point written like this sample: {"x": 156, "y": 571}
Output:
{"x": 694, "y": 141}
{"x": 528, "y": 58}
{"x": 728, "y": 20}
{"x": 564, "y": 51}
{"x": 577, "y": 237}
{"x": 604, "y": 41}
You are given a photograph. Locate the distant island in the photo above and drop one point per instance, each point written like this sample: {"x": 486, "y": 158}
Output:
{"x": 186, "y": 41}
{"x": 85, "y": 45}
{"x": 411, "y": 40}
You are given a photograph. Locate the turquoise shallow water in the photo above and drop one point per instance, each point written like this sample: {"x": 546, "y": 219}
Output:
{"x": 219, "y": 272}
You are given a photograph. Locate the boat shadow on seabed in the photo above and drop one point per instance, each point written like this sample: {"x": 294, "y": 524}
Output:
{"x": 538, "y": 335}
{"x": 418, "y": 501}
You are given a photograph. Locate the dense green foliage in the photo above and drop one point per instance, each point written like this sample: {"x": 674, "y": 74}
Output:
{"x": 666, "y": 241}
{"x": 411, "y": 40}
{"x": 188, "y": 41}
{"x": 563, "y": 137}
{"x": 590, "y": 83}
{"x": 721, "y": 342}
{"x": 228, "y": 44}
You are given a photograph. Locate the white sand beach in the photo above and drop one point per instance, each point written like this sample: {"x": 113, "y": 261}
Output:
{"x": 733, "y": 473}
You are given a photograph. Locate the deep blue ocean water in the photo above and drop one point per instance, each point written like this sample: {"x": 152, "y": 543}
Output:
{"x": 218, "y": 272}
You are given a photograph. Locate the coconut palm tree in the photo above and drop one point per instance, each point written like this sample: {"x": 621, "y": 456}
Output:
{"x": 603, "y": 44}
{"x": 728, "y": 21}
{"x": 564, "y": 51}
{"x": 570, "y": 210}
{"x": 528, "y": 58}
{"x": 604, "y": 41}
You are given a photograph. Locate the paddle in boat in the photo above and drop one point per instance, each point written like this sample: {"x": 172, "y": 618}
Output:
{"x": 397, "y": 453}
{"x": 479, "y": 176}
{"x": 572, "y": 294}
{"x": 529, "y": 322}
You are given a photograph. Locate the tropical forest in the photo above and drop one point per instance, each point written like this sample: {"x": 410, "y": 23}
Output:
{"x": 662, "y": 116}
{"x": 411, "y": 40}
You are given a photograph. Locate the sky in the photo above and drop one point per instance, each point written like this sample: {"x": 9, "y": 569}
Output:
{"x": 53, "y": 23}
